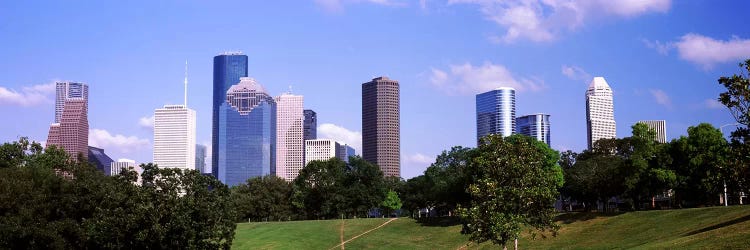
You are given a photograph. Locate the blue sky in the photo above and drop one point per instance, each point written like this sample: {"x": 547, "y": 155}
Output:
{"x": 662, "y": 59}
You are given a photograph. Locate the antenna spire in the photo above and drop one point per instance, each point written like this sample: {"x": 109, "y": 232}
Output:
{"x": 186, "y": 68}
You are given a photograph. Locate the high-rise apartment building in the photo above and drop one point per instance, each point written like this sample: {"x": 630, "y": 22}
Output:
{"x": 600, "y": 112}
{"x": 381, "y": 131}
{"x": 246, "y": 134}
{"x": 72, "y": 132}
{"x": 200, "y": 158}
{"x": 311, "y": 124}
{"x": 174, "y": 137}
{"x": 228, "y": 68}
{"x": 68, "y": 90}
{"x": 660, "y": 127}
{"x": 536, "y": 125}
{"x": 496, "y": 112}
{"x": 321, "y": 150}
{"x": 290, "y": 142}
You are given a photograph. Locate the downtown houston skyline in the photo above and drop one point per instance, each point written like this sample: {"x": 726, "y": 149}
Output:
{"x": 661, "y": 58}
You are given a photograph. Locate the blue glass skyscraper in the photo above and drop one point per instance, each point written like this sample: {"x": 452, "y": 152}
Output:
{"x": 496, "y": 112}
{"x": 536, "y": 125}
{"x": 247, "y": 133}
{"x": 228, "y": 68}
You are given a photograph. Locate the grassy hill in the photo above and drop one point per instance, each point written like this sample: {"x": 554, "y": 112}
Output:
{"x": 716, "y": 227}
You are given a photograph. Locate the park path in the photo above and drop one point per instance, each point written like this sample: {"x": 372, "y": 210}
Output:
{"x": 341, "y": 234}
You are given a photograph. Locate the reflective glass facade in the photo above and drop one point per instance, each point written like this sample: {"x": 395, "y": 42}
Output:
{"x": 496, "y": 112}
{"x": 536, "y": 125}
{"x": 246, "y": 134}
{"x": 228, "y": 68}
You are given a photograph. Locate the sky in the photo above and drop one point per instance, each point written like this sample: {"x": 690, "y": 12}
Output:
{"x": 662, "y": 59}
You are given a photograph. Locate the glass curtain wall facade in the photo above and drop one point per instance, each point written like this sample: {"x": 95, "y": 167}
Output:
{"x": 246, "y": 134}
{"x": 311, "y": 124}
{"x": 496, "y": 112}
{"x": 228, "y": 68}
{"x": 536, "y": 125}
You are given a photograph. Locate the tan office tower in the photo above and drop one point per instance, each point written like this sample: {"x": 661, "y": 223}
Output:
{"x": 381, "y": 132}
{"x": 600, "y": 111}
{"x": 72, "y": 132}
{"x": 290, "y": 142}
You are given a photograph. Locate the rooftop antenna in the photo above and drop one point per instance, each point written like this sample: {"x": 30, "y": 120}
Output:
{"x": 186, "y": 83}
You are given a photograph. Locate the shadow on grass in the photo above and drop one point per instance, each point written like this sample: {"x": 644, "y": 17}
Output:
{"x": 720, "y": 225}
{"x": 567, "y": 218}
{"x": 447, "y": 221}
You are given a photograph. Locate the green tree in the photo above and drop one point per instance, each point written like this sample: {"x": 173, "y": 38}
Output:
{"x": 318, "y": 191}
{"x": 391, "y": 203}
{"x": 516, "y": 188}
{"x": 363, "y": 187}
{"x": 265, "y": 198}
{"x": 699, "y": 161}
{"x": 737, "y": 100}
{"x": 449, "y": 178}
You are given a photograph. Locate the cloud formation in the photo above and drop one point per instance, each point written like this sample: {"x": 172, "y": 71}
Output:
{"x": 544, "y": 20}
{"x": 706, "y": 51}
{"x": 342, "y": 135}
{"x": 415, "y": 164}
{"x": 464, "y": 79}
{"x": 28, "y": 96}
{"x": 146, "y": 122}
{"x": 338, "y": 5}
{"x": 661, "y": 97}
{"x": 101, "y": 138}
{"x": 576, "y": 73}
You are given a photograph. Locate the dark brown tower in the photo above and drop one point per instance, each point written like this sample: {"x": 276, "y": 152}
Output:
{"x": 381, "y": 130}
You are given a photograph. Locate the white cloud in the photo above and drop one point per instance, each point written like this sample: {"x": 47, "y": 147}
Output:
{"x": 713, "y": 104}
{"x": 415, "y": 164}
{"x": 341, "y": 134}
{"x": 543, "y": 20}
{"x": 662, "y": 48}
{"x": 146, "y": 122}
{"x": 469, "y": 79}
{"x": 338, "y": 5}
{"x": 706, "y": 51}
{"x": 28, "y": 96}
{"x": 101, "y": 138}
{"x": 575, "y": 73}
{"x": 661, "y": 97}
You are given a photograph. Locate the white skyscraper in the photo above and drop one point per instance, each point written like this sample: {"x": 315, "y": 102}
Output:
{"x": 117, "y": 166}
{"x": 290, "y": 142}
{"x": 174, "y": 137}
{"x": 600, "y": 112}
{"x": 660, "y": 127}
{"x": 321, "y": 150}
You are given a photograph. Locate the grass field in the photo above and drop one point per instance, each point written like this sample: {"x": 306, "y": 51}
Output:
{"x": 716, "y": 228}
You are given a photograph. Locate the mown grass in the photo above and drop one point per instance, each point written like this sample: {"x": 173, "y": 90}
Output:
{"x": 715, "y": 228}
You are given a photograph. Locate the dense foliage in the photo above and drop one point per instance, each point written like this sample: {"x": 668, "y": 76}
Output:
{"x": 50, "y": 202}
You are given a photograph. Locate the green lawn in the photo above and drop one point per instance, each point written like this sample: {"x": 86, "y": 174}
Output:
{"x": 717, "y": 228}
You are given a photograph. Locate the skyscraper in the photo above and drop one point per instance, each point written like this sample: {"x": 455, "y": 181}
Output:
{"x": 536, "y": 125}
{"x": 228, "y": 68}
{"x": 600, "y": 112}
{"x": 72, "y": 132}
{"x": 496, "y": 112}
{"x": 174, "y": 137}
{"x": 100, "y": 160}
{"x": 246, "y": 135}
{"x": 660, "y": 127}
{"x": 68, "y": 90}
{"x": 311, "y": 124}
{"x": 344, "y": 151}
{"x": 321, "y": 150}
{"x": 290, "y": 142}
{"x": 381, "y": 132}
{"x": 200, "y": 158}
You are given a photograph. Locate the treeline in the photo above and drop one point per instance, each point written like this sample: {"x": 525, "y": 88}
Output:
{"x": 48, "y": 201}
{"x": 323, "y": 190}
{"x": 636, "y": 171}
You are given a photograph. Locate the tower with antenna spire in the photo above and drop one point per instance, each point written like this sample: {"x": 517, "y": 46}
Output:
{"x": 174, "y": 135}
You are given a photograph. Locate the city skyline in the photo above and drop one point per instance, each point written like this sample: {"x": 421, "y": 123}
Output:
{"x": 662, "y": 59}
